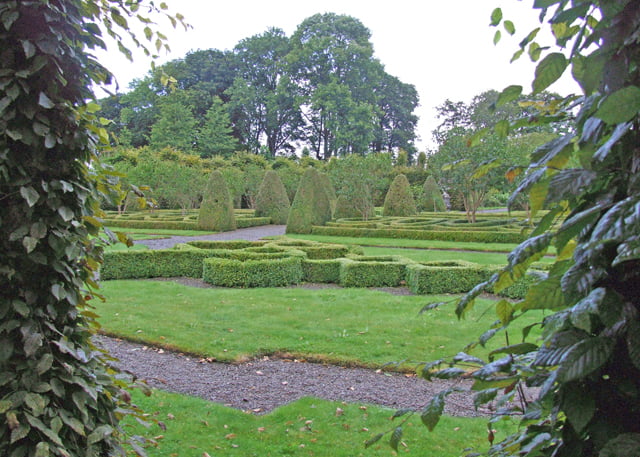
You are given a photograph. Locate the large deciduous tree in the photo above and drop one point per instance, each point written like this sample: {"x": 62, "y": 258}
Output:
{"x": 57, "y": 396}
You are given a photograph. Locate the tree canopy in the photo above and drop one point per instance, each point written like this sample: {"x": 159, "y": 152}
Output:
{"x": 322, "y": 88}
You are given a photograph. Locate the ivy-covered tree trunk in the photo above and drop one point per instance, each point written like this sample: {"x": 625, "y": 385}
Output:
{"x": 57, "y": 396}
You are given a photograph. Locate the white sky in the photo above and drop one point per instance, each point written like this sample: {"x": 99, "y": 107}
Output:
{"x": 444, "y": 48}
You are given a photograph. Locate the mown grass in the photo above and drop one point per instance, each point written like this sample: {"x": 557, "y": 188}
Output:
{"x": 307, "y": 427}
{"x": 405, "y": 243}
{"x": 345, "y": 326}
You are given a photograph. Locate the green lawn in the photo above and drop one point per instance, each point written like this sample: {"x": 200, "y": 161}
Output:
{"x": 307, "y": 427}
{"x": 405, "y": 243}
{"x": 346, "y": 326}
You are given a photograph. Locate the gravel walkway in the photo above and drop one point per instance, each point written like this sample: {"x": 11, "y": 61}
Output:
{"x": 250, "y": 234}
{"x": 262, "y": 385}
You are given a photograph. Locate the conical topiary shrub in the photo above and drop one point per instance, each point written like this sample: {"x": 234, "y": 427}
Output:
{"x": 399, "y": 200}
{"x": 325, "y": 182}
{"x": 272, "y": 200}
{"x": 216, "y": 211}
{"x": 432, "y": 199}
{"x": 310, "y": 205}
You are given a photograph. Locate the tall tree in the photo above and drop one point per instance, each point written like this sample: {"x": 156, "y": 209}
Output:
{"x": 262, "y": 95}
{"x": 58, "y": 395}
{"x": 397, "y": 122}
{"x": 215, "y": 136}
{"x": 175, "y": 126}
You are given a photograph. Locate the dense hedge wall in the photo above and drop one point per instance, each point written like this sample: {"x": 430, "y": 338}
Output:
{"x": 268, "y": 272}
{"x": 164, "y": 263}
{"x": 445, "y": 277}
{"x": 366, "y": 271}
{"x": 452, "y": 235}
{"x": 241, "y": 222}
{"x": 322, "y": 270}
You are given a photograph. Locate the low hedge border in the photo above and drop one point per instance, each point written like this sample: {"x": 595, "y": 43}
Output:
{"x": 280, "y": 271}
{"x": 452, "y": 235}
{"x": 370, "y": 271}
{"x": 243, "y": 222}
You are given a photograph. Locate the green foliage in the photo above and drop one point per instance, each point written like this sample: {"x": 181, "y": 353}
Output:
{"x": 310, "y": 206}
{"x": 372, "y": 271}
{"x": 164, "y": 263}
{"x": 215, "y": 136}
{"x": 399, "y": 200}
{"x": 216, "y": 211}
{"x": 586, "y": 361}
{"x": 175, "y": 127}
{"x": 272, "y": 272}
{"x": 431, "y": 199}
{"x": 272, "y": 200}
{"x": 321, "y": 270}
{"x": 57, "y": 394}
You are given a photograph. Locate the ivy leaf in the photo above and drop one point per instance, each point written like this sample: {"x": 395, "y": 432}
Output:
{"x": 549, "y": 71}
{"x": 396, "y": 436}
{"x": 621, "y": 106}
{"x": 29, "y": 243}
{"x": 65, "y": 213}
{"x": 30, "y": 195}
{"x": 45, "y": 101}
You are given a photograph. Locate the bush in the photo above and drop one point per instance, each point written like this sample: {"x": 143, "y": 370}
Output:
{"x": 364, "y": 271}
{"x": 399, "y": 200}
{"x": 310, "y": 206}
{"x": 164, "y": 263}
{"x": 453, "y": 235}
{"x": 346, "y": 209}
{"x": 445, "y": 277}
{"x": 276, "y": 272}
{"x": 272, "y": 200}
{"x": 323, "y": 270}
{"x": 432, "y": 199}
{"x": 216, "y": 211}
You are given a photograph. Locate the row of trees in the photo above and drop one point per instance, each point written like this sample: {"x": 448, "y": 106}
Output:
{"x": 321, "y": 89}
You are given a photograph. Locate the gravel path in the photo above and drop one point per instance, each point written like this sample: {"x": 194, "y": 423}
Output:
{"x": 250, "y": 234}
{"x": 262, "y": 385}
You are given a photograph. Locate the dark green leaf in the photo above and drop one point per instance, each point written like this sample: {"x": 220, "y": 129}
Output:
{"x": 497, "y": 36}
{"x": 373, "y": 440}
{"x": 541, "y": 4}
{"x": 625, "y": 444}
{"x": 402, "y": 412}
{"x": 585, "y": 357}
{"x": 449, "y": 373}
{"x": 549, "y": 71}
{"x": 430, "y": 416}
{"x": 42, "y": 450}
{"x": 462, "y": 357}
{"x": 521, "y": 348}
{"x": 579, "y": 406}
{"x": 633, "y": 342}
{"x": 581, "y": 312}
{"x": 484, "y": 396}
{"x": 100, "y": 433}
{"x": 490, "y": 370}
{"x": 30, "y": 195}
{"x": 45, "y": 101}
{"x": 504, "y": 311}
{"x": 588, "y": 71}
{"x": 29, "y": 243}
{"x": 617, "y": 134}
{"x": 396, "y": 436}
{"x": 570, "y": 183}
{"x": 32, "y": 342}
{"x": 621, "y": 106}
{"x": 65, "y": 213}
{"x": 538, "y": 441}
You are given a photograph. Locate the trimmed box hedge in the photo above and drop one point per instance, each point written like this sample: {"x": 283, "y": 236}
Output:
{"x": 322, "y": 270}
{"x": 164, "y": 263}
{"x": 368, "y": 271}
{"x": 453, "y": 235}
{"x": 445, "y": 277}
{"x": 270, "y": 272}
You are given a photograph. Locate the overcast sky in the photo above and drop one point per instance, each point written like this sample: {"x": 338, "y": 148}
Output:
{"x": 444, "y": 48}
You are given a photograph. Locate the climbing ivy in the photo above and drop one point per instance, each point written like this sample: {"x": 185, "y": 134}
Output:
{"x": 586, "y": 361}
{"x": 58, "y": 396}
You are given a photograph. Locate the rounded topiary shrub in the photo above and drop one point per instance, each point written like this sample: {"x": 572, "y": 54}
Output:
{"x": 432, "y": 199}
{"x": 216, "y": 211}
{"x": 310, "y": 206}
{"x": 399, "y": 200}
{"x": 272, "y": 200}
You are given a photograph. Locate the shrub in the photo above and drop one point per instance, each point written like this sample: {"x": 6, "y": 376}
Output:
{"x": 216, "y": 212}
{"x": 399, "y": 200}
{"x": 347, "y": 209}
{"x": 445, "y": 277}
{"x": 272, "y": 200}
{"x": 457, "y": 235}
{"x": 310, "y": 206}
{"x": 163, "y": 263}
{"x": 277, "y": 272}
{"x": 325, "y": 183}
{"x": 362, "y": 271}
{"x": 432, "y": 199}
{"x": 322, "y": 270}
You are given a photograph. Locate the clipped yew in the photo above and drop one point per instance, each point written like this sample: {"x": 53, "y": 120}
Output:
{"x": 399, "y": 200}
{"x": 325, "y": 183}
{"x": 347, "y": 208}
{"x": 216, "y": 211}
{"x": 432, "y": 199}
{"x": 311, "y": 204}
{"x": 272, "y": 200}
